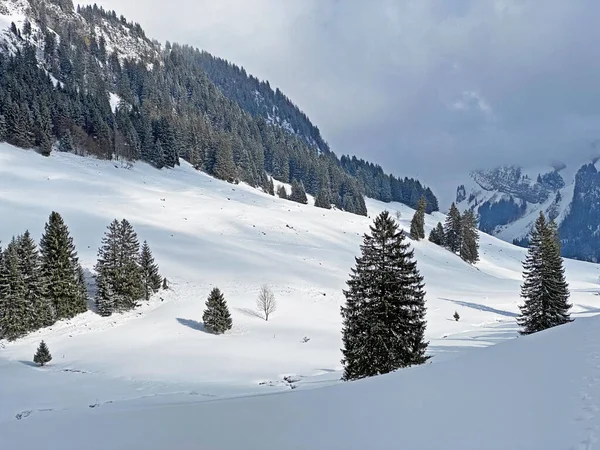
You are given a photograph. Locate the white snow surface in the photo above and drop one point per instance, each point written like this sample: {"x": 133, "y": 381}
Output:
{"x": 154, "y": 379}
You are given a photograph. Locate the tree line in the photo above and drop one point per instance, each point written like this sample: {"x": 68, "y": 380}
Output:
{"x": 170, "y": 108}
{"x": 40, "y": 285}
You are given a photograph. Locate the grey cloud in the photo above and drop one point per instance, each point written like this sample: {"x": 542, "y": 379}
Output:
{"x": 428, "y": 88}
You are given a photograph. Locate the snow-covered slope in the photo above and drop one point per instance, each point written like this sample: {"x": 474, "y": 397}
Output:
{"x": 206, "y": 233}
{"x": 540, "y": 392}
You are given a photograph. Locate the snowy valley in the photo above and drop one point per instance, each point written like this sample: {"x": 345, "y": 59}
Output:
{"x": 156, "y": 379}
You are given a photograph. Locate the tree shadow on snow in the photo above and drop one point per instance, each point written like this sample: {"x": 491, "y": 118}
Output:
{"x": 28, "y": 363}
{"x": 481, "y": 307}
{"x": 193, "y": 324}
{"x": 251, "y": 313}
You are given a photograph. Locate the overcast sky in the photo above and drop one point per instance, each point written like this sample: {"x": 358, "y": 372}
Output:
{"x": 427, "y": 88}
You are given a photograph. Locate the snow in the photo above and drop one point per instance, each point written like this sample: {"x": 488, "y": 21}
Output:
{"x": 158, "y": 362}
{"x": 114, "y": 100}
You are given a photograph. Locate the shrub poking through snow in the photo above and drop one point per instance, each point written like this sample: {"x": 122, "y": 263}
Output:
{"x": 456, "y": 316}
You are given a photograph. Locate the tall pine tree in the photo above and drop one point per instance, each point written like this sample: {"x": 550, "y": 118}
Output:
{"x": 323, "y": 199}
{"x": 437, "y": 235}
{"x": 384, "y": 315}
{"x": 453, "y": 229}
{"x": 15, "y": 310}
{"x": 298, "y": 194}
{"x": 544, "y": 288}
{"x": 417, "y": 224}
{"x": 60, "y": 270}
{"x": 469, "y": 244}
{"x": 151, "y": 278}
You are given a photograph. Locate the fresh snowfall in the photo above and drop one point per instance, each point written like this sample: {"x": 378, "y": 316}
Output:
{"x": 153, "y": 378}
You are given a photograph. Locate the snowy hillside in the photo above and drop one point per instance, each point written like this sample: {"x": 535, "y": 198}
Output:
{"x": 206, "y": 233}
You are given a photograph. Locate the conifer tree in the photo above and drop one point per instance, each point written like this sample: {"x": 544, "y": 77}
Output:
{"x": 469, "y": 246}
{"x": 2, "y": 128}
{"x": 216, "y": 316}
{"x": 15, "y": 310}
{"x": 384, "y": 315}
{"x": 151, "y": 279}
{"x": 281, "y": 193}
{"x": 453, "y": 230}
{"x": 544, "y": 288}
{"x": 271, "y": 189}
{"x": 42, "y": 310}
{"x": 437, "y": 235}
{"x": 417, "y": 224}
{"x": 60, "y": 270}
{"x": 66, "y": 142}
{"x": 323, "y": 199}
{"x": 298, "y": 194}
{"x": 42, "y": 355}
{"x": 119, "y": 275}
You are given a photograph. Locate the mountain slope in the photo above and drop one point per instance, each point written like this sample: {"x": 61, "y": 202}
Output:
{"x": 96, "y": 84}
{"x": 205, "y": 233}
{"x": 508, "y": 200}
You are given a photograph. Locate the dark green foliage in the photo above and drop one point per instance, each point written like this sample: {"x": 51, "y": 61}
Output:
{"x": 15, "y": 310}
{"x": 66, "y": 142}
{"x": 456, "y": 316}
{"x": 323, "y": 199}
{"x": 216, "y": 316}
{"x": 384, "y": 315}
{"x": 151, "y": 279}
{"x": 453, "y": 230}
{"x": 469, "y": 244}
{"x": 42, "y": 355}
{"x": 493, "y": 214}
{"x": 437, "y": 235}
{"x": 119, "y": 276}
{"x": 417, "y": 224}
{"x": 298, "y": 194}
{"x": 544, "y": 289}
{"x": 165, "y": 284}
{"x": 271, "y": 186}
{"x": 61, "y": 271}
{"x": 42, "y": 310}
{"x": 281, "y": 193}
{"x": 2, "y": 128}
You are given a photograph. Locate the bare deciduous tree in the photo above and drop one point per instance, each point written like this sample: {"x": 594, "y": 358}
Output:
{"x": 266, "y": 303}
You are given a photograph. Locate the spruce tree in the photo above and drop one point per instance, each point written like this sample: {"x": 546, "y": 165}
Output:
{"x": 42, "y": 355}
{"x": 469, "y": 246}
{"x": 151, "y": 279}
{"x": 417, "y": 224}
{"x": 2, "y": 128}
{"x": 66, "y": 142}
{"x": 384, "y": 315}
{"x": 544, "y": 288}
{"x": 271, "y": 187}
{"x": 216, "y": 316}
{"x": 15, "y": 310}
{"x": 281, "y": 193}
{"x": 60, "y": 270}
{"x": 298, "y": 194}
{"x": 42, "y": 310}
{"x": 453, "y": 230}
{"x": 119, "y": 275}
{"x": 437, "y": 235}
{"x": 323, "y": 199}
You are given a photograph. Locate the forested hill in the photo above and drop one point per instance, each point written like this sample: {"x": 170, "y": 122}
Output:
{"x": 88, "y": 81}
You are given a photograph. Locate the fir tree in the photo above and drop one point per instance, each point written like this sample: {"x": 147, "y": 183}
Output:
{"x": 323, "y": 199}
{"x": 42, "y": 311}
{"x": 151, "y": 279}
{"x": 384, "y": 315}
{"x": 216, "y": 316}
{"x": 271, "y": 187}
{"x": 66, "y": 142}
{"x": 60, "y": 270}
{"x": 417, "y": 224}
{"x": 281, "y": 193}
{"x": 42, "y": 355}
{"x": 469, "y": 246}
{"x": 456, "y": 316}
{"x": 165, "y": 284}
{"x": 2, "y": 128}
{"x": 437, "y": 235}
{"x": 15, "y": 310}
{"x": 298, "y": 194}
{"x": 119, "y": 276}
{"x": 544, "y": 289}
{"x": 453, "y": 230}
